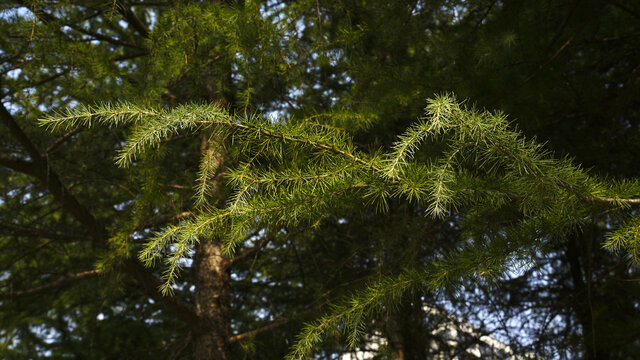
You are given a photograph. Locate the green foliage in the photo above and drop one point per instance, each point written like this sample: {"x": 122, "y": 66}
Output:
{"x": 626, "y": 238}
{"x": 333, "y": 197}
{"x": 484, "y": 164}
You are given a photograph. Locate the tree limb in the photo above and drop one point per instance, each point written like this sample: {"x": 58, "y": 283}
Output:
{"x": 54, "y": 285}
{"x": 612, "y": 201}
{"x": 163, "y": 219}
{"x": 17, "y": 230}
{"x": 250, "y": 251}
{"x": 46, "y": 17}
{"x": 261, "y": 330}
{"x": 50, "y": 179}
{"x": 24, "y": 167}
{"x": 26, "y": 253}
{"x": 59, "y": 141}
{"x": 132, "y": 19}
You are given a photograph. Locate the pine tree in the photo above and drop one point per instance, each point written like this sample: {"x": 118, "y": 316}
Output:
{"x": 277, "y": 165}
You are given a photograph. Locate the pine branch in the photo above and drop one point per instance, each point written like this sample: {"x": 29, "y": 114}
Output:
{"x": 150, "y": 134}
{"x": 351, "y": 314}
{"x": 316, "y": 144}
{"x": 282, "y": 195}
{"x": 627, "y": 238}
{"x": 156, "y": 245}
{"x": 107, "y": 115}
{"x": 349, "y": 317}
{"x": 209, "y": 167}
{"x": 438, "y": 114}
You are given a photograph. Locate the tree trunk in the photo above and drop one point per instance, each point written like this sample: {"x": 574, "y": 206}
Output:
{"x": 395, "y": 337}
{"x": 212, "y": 300}
{"x": 212, "y": 280}
{"x": 583, "y": 303}
{"x": 406, "y": 330}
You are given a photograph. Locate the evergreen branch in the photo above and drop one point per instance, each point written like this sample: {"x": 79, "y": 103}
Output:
{"x": 172, "y": 263}
{"x": 491, "y": 130}
{"x": 626, "y": 237}
{"x": 488, "y": 132}
{"x": 181, "y": 238}
{"x": 283, "y": 207}
{"x": 208, "y": 167}
{"x": 148, "y": 135}
{"x": 277, "y": 179}
{"x": 164, "y": 218}
{"x": 416, "y": 134}
{"x": 441, "y": 194}
{"x": 339, "y": 120}
{"x": 407, "y": 147}
{"x": 186, "y": 117}
{"x": 239, "y": 198}
{"x": 198, "y": 226}
{"x": 351, "y": 314}
{"x": 305, "y": 141}
{"x": 294, "y": 180}
{"x": 277, "y": 196}
{"x": 416, "y": 183}
{"x": 110, "y": 115}
{"x": 156, "y": 244}
{"x": 484, "y": 260}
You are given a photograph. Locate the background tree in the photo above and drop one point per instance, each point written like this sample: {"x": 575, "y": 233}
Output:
{"x": 347, "y": 205}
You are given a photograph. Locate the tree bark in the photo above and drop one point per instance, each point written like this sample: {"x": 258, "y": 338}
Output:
{"x": 396, "y": 338}
{"x": 212, "y": 281}
{"x": 583, "y": 303}
{"x": 211, "y": 267}
{"x": 212, "y": 300}
{"x": 406, "y": 330}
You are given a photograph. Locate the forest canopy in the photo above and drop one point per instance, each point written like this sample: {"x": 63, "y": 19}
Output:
{"x": 319, "y": 179}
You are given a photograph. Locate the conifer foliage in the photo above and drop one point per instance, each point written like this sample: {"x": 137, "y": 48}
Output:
{"x": 241, "y": 179}
{"x": 290, "y": 173}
